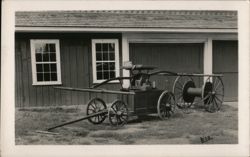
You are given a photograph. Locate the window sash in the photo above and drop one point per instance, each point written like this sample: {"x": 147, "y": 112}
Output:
{"x": 94, "y": 61}
{"x": 34, "y": 63}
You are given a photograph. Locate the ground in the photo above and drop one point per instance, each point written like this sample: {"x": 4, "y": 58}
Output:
{"x": 195, "y": 127}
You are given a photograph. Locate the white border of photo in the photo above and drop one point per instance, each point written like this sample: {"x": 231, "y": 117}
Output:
{"x": 8, "y": 147}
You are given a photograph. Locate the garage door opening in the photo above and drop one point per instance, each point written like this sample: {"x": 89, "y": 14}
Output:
{"x": 176, "y": 57}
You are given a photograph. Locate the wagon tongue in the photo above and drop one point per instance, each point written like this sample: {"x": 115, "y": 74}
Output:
{"x": 48, "y": 131}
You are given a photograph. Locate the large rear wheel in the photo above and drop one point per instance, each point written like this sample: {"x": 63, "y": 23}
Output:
{"x": 179, "y": 88}
{"x": 166, "y": 105}
{"x": 213, "y": 94}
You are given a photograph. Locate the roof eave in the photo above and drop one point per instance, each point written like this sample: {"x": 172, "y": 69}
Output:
{"x": 84, "y": 29}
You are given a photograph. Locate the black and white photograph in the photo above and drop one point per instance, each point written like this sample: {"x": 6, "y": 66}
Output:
{"x": 127, "y": 76}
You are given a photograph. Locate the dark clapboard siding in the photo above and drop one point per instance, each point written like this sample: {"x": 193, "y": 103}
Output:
{"x": 76, "y": 71}
{"x": 225, "y": 61}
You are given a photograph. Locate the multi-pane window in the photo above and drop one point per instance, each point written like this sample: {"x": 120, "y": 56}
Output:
{"x": 45, "y": 58}
{"x": 105, "y": 53}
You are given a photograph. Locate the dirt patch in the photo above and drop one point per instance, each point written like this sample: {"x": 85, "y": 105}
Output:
{"x": 162, "y": 141}
{"x": 127, "y": 130}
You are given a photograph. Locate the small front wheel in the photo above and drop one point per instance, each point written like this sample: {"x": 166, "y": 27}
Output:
{"x": 166, "y": 105}
{"x": 94, "y": 106}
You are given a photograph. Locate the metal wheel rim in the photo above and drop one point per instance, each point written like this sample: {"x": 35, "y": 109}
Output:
{"x": 166, "y": 105}
{"x": 178, "y": 89}
{"x": 118, "y": 113}
{"x": 216, "y": 98}
{"x": 96, "y": 105}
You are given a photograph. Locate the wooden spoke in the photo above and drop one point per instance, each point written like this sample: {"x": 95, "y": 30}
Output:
{"x": 180, "y": 84}
{"x": 208, "y": 99}
{"x": 92, "y": 106}
{"x": 90, "y": 109}
{"x": 178, "y": 87}
{"x": 215, "y": 102}
{"x": 216, "y": 85}
{"x": 114, "y": 108}
{"x": 211, "y": 105}
{"x": 218, "y": 99}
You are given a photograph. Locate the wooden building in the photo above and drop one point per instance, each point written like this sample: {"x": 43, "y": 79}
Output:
{"x": 81, "y": 48}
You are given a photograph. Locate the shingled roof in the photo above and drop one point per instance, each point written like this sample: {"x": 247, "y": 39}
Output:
{"x": 129, "y": 19}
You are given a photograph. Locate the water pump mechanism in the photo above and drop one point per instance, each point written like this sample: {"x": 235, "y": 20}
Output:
{"x": 140, "y": 76}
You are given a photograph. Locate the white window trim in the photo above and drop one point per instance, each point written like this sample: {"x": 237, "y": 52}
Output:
{"x": 117, "y": 69}
{"x": 33, "y": 62}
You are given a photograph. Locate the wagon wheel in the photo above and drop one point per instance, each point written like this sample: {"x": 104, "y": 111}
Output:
{"x": 96, "y": 105}
{"x": 178, "y": 89}
{"x": 166, "y": 105}
{"x": 118, "y": 113}
{"x": 213, "y": 94}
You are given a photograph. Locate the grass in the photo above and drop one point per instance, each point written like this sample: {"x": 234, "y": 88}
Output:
{"x": 181, "y": 128}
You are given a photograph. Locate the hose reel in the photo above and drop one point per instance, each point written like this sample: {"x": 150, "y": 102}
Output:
{"x": 211, "y": 93}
